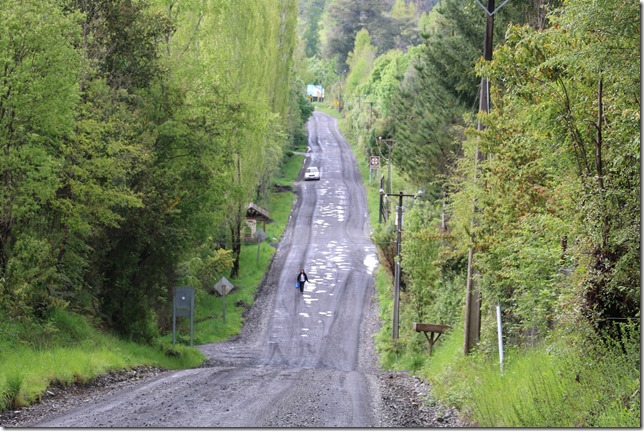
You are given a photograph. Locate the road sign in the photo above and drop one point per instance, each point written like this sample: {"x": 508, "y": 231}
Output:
{"x": 374, "y": 162}
{"x": 183, "y": 305}
{"x": 374, "y": 165}
{"x": 259, "y": 235}
{"x": 223, "y": 286}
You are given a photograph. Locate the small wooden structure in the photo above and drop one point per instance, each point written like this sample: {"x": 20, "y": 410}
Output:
{"x": 432, "y": 328}
{"x": 255, "y": 214}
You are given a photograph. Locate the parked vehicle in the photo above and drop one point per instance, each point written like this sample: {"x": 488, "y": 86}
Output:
{"x": 312, "y": 173}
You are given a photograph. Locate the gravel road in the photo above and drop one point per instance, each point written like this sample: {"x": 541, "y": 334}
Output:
{"x": 301, "y": 360}
{"x": 401, "y": 399}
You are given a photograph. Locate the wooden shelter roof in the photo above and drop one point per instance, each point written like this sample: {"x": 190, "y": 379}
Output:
{"x": 257, "y": 213}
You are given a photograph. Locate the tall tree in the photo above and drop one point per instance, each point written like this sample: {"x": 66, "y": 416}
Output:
{"x": 39, "y": 71}
{"x": 427, "y": 119}
{"x": 134, "y": 259}
{"x": 360, "y": 62}
{"x": 346, "y": 18}
{"x": 310, "y": 16}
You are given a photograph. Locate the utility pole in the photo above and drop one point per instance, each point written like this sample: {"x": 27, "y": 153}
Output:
{"x": 381, "y": 213}
{"x": 400, "y": 209}
{"x": 390, "y": 143}
{"x": 473, "y": 293}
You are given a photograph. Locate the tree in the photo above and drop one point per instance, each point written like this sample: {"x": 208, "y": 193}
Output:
{"x": 346, "y": 18}
{"x": 40, "y": 67}
{"x": 403, "y": 31}
{"x": 360, "y": 62}
{"x": 427, "y": 120}
{"x": 311, "y": 14}
{"x": 557, "y": 189}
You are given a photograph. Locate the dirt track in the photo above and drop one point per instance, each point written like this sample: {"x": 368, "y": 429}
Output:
{"x": 302, "y": 360}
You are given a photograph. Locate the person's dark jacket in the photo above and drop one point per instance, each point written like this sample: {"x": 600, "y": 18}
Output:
{"x": 306, "y": 279}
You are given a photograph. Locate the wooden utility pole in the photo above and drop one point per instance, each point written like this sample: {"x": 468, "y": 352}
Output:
{"x": 473, "y": 293}
{"x": 390, "y": 143}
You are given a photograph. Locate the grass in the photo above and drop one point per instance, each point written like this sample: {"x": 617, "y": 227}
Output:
{"x": 74, "y": 357}
{"x": 545, "y": 387}
{"x": 327, "y": 110}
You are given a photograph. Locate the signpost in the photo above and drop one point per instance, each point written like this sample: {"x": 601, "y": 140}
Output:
{"x": 183, "y": 305}
{"x": 260, "y": 236}
{"x": 374, "y": 164}
{"x": 223, "y": 286}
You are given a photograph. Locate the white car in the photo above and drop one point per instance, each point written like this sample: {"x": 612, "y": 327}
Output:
{"x": 312, "y": 173}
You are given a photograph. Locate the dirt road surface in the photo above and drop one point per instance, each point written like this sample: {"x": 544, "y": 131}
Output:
{"x": 303, "y": 359}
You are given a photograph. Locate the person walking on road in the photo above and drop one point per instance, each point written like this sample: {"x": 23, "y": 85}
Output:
{"x": 301, "y": 279}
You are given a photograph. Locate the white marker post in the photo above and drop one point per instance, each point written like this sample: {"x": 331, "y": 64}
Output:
{"x": 500, "y": 335}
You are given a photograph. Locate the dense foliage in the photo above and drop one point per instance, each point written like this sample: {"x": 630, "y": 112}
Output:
{"x": 543, "y": 189}
{"x": 550, "y": 207}
{"x": 556, "y": 224}
{"x": 558, "y": 228}
{"x": 134, "y": 134}
{"x": 391, "y": 23}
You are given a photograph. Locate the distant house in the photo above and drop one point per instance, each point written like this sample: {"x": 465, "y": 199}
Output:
{"x": 315, "y": 92}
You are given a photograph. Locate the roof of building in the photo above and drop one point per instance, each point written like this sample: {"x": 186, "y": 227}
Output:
{"x": 257, "y": 213}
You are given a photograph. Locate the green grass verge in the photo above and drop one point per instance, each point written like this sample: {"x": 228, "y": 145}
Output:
{"x": 327, "y": 110}
{"x": 553, "y": 385}
{"x": 72, "y": 356}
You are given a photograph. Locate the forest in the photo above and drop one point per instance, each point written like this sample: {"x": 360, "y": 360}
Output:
{"x": 134, "y": 133}
{"x": 528, "y": 157}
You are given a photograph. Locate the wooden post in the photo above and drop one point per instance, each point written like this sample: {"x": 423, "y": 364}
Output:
{"x": 433, "y": 329}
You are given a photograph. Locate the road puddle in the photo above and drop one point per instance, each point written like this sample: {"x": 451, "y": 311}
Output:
{"x": 371, "y": 262}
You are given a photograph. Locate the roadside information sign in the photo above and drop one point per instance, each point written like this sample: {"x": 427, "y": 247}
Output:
{"x": 374, "y": 165}
{"x": 183, "y": 305}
